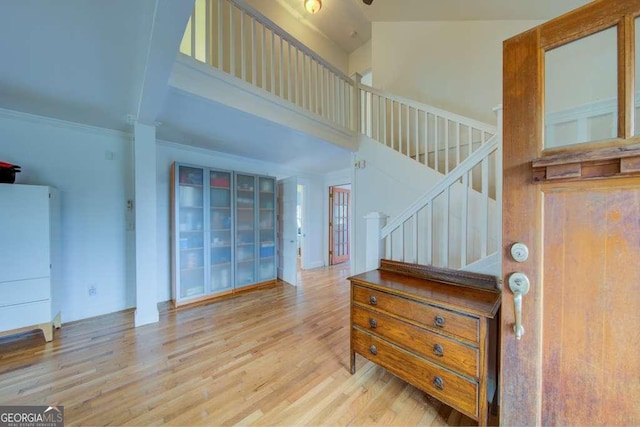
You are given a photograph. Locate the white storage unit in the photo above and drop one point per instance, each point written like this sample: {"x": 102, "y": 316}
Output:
{"x": 29, "y": 258}
{"x": 222, "y": 231}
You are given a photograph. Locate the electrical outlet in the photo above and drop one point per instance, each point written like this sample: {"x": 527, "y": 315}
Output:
{"x": 93, "y": 291}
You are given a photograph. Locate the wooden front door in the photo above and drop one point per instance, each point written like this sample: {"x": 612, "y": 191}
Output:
{"x": 572, "y": 196}
{"x": 338, "y": 225}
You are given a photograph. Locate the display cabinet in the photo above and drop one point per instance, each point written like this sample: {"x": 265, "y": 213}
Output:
{"x": 223, "y": 232}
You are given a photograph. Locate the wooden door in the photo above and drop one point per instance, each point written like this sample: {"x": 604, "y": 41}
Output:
{"x": 577, "y": 209}
{"x": 338, "y": 225}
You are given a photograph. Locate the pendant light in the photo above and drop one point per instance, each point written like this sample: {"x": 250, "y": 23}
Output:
{"x": 313, "y": 6}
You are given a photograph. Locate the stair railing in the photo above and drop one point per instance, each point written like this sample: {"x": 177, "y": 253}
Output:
{"x": 436, "y": 138}
{"x": 235, "y": 38}
{"x": 453, "y": 224}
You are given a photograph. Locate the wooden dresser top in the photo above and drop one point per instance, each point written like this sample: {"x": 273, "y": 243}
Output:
{"x": 435, "y": 286}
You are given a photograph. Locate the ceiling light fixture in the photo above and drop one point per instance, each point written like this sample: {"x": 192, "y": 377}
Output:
{"x": 313, "y": 6}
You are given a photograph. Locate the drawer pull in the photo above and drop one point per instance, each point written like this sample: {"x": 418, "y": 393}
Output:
{"x": 373, "y": 323}
{"x": 373, "y": 300}
{"x": 373, "y": 350}
{"x": 439, "y": 321}
{"x": 438, "y": 350}
{"x": 438, "y": 383}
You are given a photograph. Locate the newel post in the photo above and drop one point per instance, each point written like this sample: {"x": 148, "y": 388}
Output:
{"x": 374, "y": 248}
{"x": 356, "y": 120}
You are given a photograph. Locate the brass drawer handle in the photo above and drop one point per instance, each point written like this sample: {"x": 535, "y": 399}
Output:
{"x": 373, "y": 300}
{"x": 438, "y": 383}
{"x": 373, "y": 350}
{"x": 439, "y": 321}
{"x": 373, "y": 323}
{"x": 438, "y": 350}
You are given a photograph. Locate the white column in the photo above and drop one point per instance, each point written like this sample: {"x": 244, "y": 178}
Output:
{"x": 145, "y": 213}
{"x": 374, "y": 248}
{"x": 356, "y": 120}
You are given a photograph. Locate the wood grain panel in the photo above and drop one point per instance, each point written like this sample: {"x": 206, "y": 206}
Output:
{"x": 593, "y": 17}
{"x": 523, "y": 101}
{"x": 455, "y": 390}
{"x": 452, "y": 323}
{"x": 482, "y": 302}
{"x": 449, "y": 353}
{"x": 593, "y": 312}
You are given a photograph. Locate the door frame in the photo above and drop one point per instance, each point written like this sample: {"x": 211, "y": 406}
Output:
{"x": 523, "y": 133}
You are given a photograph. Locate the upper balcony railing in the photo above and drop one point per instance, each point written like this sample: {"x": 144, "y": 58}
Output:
{"x": 235, "y": 38}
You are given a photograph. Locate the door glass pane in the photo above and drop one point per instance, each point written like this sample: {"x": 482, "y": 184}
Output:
{"x": 220, "y": 206}
{"x": 581, "y": 90}
{"x": 191, "y": 234}
{"x": 245, "y": 230}
{"x": 267, "y": 233}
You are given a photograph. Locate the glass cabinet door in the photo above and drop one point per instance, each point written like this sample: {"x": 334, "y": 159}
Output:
{"x": 245, "y": 230}
{"x": 190, "y": 212}
{"x": 267, "y": 231}
{"x": 221, "y": 220}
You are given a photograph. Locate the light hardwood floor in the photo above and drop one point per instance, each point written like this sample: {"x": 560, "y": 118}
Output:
{"x": 276, "y": 356}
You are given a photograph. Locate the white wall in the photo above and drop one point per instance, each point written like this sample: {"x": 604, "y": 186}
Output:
{"x": 456, "y": 66}
{"x": 360, "y": 59}
{"x": 92, "y": 169}
{"x": 388, "y": 183}
{"x": 167, "y": 153}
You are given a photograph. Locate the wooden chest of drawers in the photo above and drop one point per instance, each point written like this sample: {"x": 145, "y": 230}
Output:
{"x": 434, "y": 328}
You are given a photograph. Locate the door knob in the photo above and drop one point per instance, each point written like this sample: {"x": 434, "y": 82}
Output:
{"x": 519, "y": 285}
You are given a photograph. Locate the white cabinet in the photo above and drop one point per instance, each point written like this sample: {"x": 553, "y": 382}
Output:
{"x": 222, "y": 231}
{"x": 29, "y": 257}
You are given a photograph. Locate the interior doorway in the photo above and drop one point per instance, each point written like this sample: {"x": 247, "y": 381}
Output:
{"x": 339, "y": 224}
{"x": 300, "y": 223}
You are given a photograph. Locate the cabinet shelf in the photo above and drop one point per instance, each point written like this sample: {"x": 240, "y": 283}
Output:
{"x": 220, "y": 264}
{"x": 191, "y": 249}
{"x": 216, "y": 187}
{"x": 192, "y": 268}
{"x": 186, "y": 184}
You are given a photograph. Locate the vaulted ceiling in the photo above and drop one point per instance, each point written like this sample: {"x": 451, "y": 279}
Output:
{"x": 348, "y": 22}
{"x": 101, "y": 62}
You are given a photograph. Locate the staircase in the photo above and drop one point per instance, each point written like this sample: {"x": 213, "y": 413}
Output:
{"x": 456, "y": 222}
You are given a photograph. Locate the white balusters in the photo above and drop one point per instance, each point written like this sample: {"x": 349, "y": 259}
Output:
{"x": 225, "y": 33}
{"x": 441, "y": 146}
{"x": 451, "y": 222}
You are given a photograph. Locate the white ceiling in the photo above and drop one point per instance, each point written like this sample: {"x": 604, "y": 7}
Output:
{"x": 339, "y": 19}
